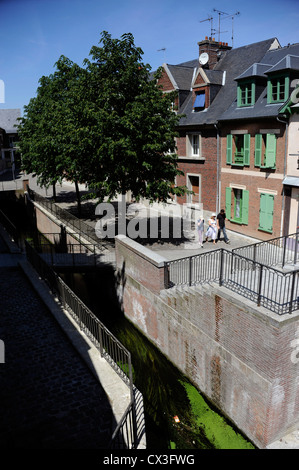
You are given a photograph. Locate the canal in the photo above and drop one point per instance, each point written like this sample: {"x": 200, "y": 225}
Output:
{"x": 177, "y": 415}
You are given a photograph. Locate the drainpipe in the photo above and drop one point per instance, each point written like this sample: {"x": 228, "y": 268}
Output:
{"x": 284, "y": 171}
{"x": 218, "y": 169}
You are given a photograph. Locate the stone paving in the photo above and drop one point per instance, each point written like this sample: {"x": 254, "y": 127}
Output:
{"x": 49, "y": 398}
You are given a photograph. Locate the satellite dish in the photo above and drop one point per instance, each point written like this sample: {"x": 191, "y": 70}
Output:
{"x": 203, "y": 58}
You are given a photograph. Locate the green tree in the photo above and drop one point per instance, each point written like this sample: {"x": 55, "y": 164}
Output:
{"x": 133, "y": 124}
{"x": 50, "y": 131}
{"x": 106, "y": 124}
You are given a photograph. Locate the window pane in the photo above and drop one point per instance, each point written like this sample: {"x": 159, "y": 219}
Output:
{"x": 238, "y": 203}
{"x": 195, "y": 144}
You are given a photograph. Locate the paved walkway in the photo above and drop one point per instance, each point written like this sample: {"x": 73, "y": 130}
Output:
{"x": 56, "y": 392}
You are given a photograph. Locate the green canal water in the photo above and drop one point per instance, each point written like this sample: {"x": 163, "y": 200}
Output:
{"x": 167, "y": 393}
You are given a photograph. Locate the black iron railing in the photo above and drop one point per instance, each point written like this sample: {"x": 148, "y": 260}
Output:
{"x": 280, "y": 251}
{"x": 266, "y": 286}
{"x": 80, "y": 226}
{"x": 58, "y": 252}
{"x": 10, "y": 227}
{"x": 108, "y": 345}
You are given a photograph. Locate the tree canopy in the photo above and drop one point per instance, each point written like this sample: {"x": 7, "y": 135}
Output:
{"x": 107, "y": 124}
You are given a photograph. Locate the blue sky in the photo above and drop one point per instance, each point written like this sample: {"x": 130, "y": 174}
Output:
{"x": 34, "y": 33}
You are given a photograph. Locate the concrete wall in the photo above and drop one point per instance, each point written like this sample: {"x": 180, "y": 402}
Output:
{"x": 244, "y": 358}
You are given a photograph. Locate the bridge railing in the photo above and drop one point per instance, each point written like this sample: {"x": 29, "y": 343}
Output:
{"x": 266, "y": 286}
{"x": 108, "y": 345}
{"x": 278, "y": 251}
{"x": 78, "y": 225}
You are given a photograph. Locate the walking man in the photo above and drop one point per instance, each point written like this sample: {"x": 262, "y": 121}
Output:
{"x": 221, "y": 225}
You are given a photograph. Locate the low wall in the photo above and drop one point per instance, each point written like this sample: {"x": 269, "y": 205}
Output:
{"x": 242, "y": 357}
{"x": 49, "y": 225}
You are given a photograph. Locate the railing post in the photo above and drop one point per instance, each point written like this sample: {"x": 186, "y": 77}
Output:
{"x": 101, "y": 339}
{"x": 190, "y": 271}
{"x": 284, "y": 251}
{"x": 221, "y": 268}
{"x": 260, "y": 286}
{"x": 292, "y": 291}
{"x": 296, "y": 248}
{"x": 166, "y": 275}
{"x": 254, "y": 257}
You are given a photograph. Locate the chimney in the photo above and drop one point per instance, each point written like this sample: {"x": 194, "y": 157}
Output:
{"x": 213, "y": 49}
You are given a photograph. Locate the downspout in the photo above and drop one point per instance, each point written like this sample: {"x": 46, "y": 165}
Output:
{"x": 218, "y": 170}
{"x": 284, "y": 171}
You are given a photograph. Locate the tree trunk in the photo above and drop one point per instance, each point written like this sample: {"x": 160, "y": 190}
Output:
{"x": 54, "y": 192}
{"x": 78, "y": 198}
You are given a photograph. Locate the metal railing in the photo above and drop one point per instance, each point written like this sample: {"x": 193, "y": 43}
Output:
{"x": 78, "y": 225}
{"x": 266, "y": 286}
{"x": 10, "y": 227}
{"x": 280, "y": 251}
{"x": 57, "y": 251}
{"x": 108, "y": 345}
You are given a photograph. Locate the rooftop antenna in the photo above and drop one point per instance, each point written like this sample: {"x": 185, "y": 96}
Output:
{"x": 162, "y": 49}
{"x": 232, "y": 17}
{"x": 210, "y": 19}
{"x": 219, "y": 15}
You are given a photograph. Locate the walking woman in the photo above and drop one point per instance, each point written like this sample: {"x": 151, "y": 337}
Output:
{"x": 212, "y": 229}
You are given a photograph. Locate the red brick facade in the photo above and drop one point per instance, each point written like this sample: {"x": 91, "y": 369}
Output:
{"x": 255, "y": 179}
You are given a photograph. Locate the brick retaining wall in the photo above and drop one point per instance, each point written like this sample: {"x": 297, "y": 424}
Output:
{"x": 241, "y": 356}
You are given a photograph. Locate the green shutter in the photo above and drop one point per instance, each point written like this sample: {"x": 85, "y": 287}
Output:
{"x": 258, "y": 150}
{"x": 263, "y": 212}
{"x": 266, "y": 212}
{"x": 270, "y": 151}
{"x": 245, "y": 206}
{"x": 228, "y": 202}
{"x": 229, "y": 149}
{"x": 239, "y": 91}
{"x": 252, "y": 93}
{"x": 246, "y": 149}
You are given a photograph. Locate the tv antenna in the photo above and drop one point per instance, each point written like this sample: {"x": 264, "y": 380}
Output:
{"x": 162, "y": 49}
{"x": 232, "y": 17}
{"x": 219, "y": 16}
{"x": 211, "y": 20}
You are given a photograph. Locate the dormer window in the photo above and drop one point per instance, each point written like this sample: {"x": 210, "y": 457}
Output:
{"x": 200, "y": 101}
{"x": 246, "y": 93}
{"x": 278, "y": 89}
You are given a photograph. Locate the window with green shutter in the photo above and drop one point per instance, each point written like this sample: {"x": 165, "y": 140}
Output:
{"x": 278, "y": 89}
{"x": 246, "y": 94}
{"x": 237, "y": 205}
{"x": 238, "y": 149}
{"x": 265, "y": 150}
{"x": 266, "y": 212}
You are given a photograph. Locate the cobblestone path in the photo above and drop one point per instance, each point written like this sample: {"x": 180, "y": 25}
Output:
{"x": 48, "y": 397}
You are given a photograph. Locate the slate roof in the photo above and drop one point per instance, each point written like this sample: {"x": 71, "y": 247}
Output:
{"x": 182, "y": 75}
{"x": 256, "y": 70}
{"x": 234, "y": 63}
{"x": 8, "y": 119}
{"x": 277, "y": 60}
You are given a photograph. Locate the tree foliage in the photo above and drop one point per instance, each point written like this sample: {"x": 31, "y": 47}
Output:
{"x": 106, "y": 123}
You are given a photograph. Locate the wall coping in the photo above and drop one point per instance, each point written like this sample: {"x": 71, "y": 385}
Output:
{"x": 142, "y": 251}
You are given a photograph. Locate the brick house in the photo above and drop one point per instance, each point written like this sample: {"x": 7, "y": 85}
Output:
{"x": 205, "y": 89}
{"x": 8, "y": 137}
{"x": 254, "y": 153}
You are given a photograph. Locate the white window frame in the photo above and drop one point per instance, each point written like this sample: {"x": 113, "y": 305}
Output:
{"x": 190, "y": 146}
